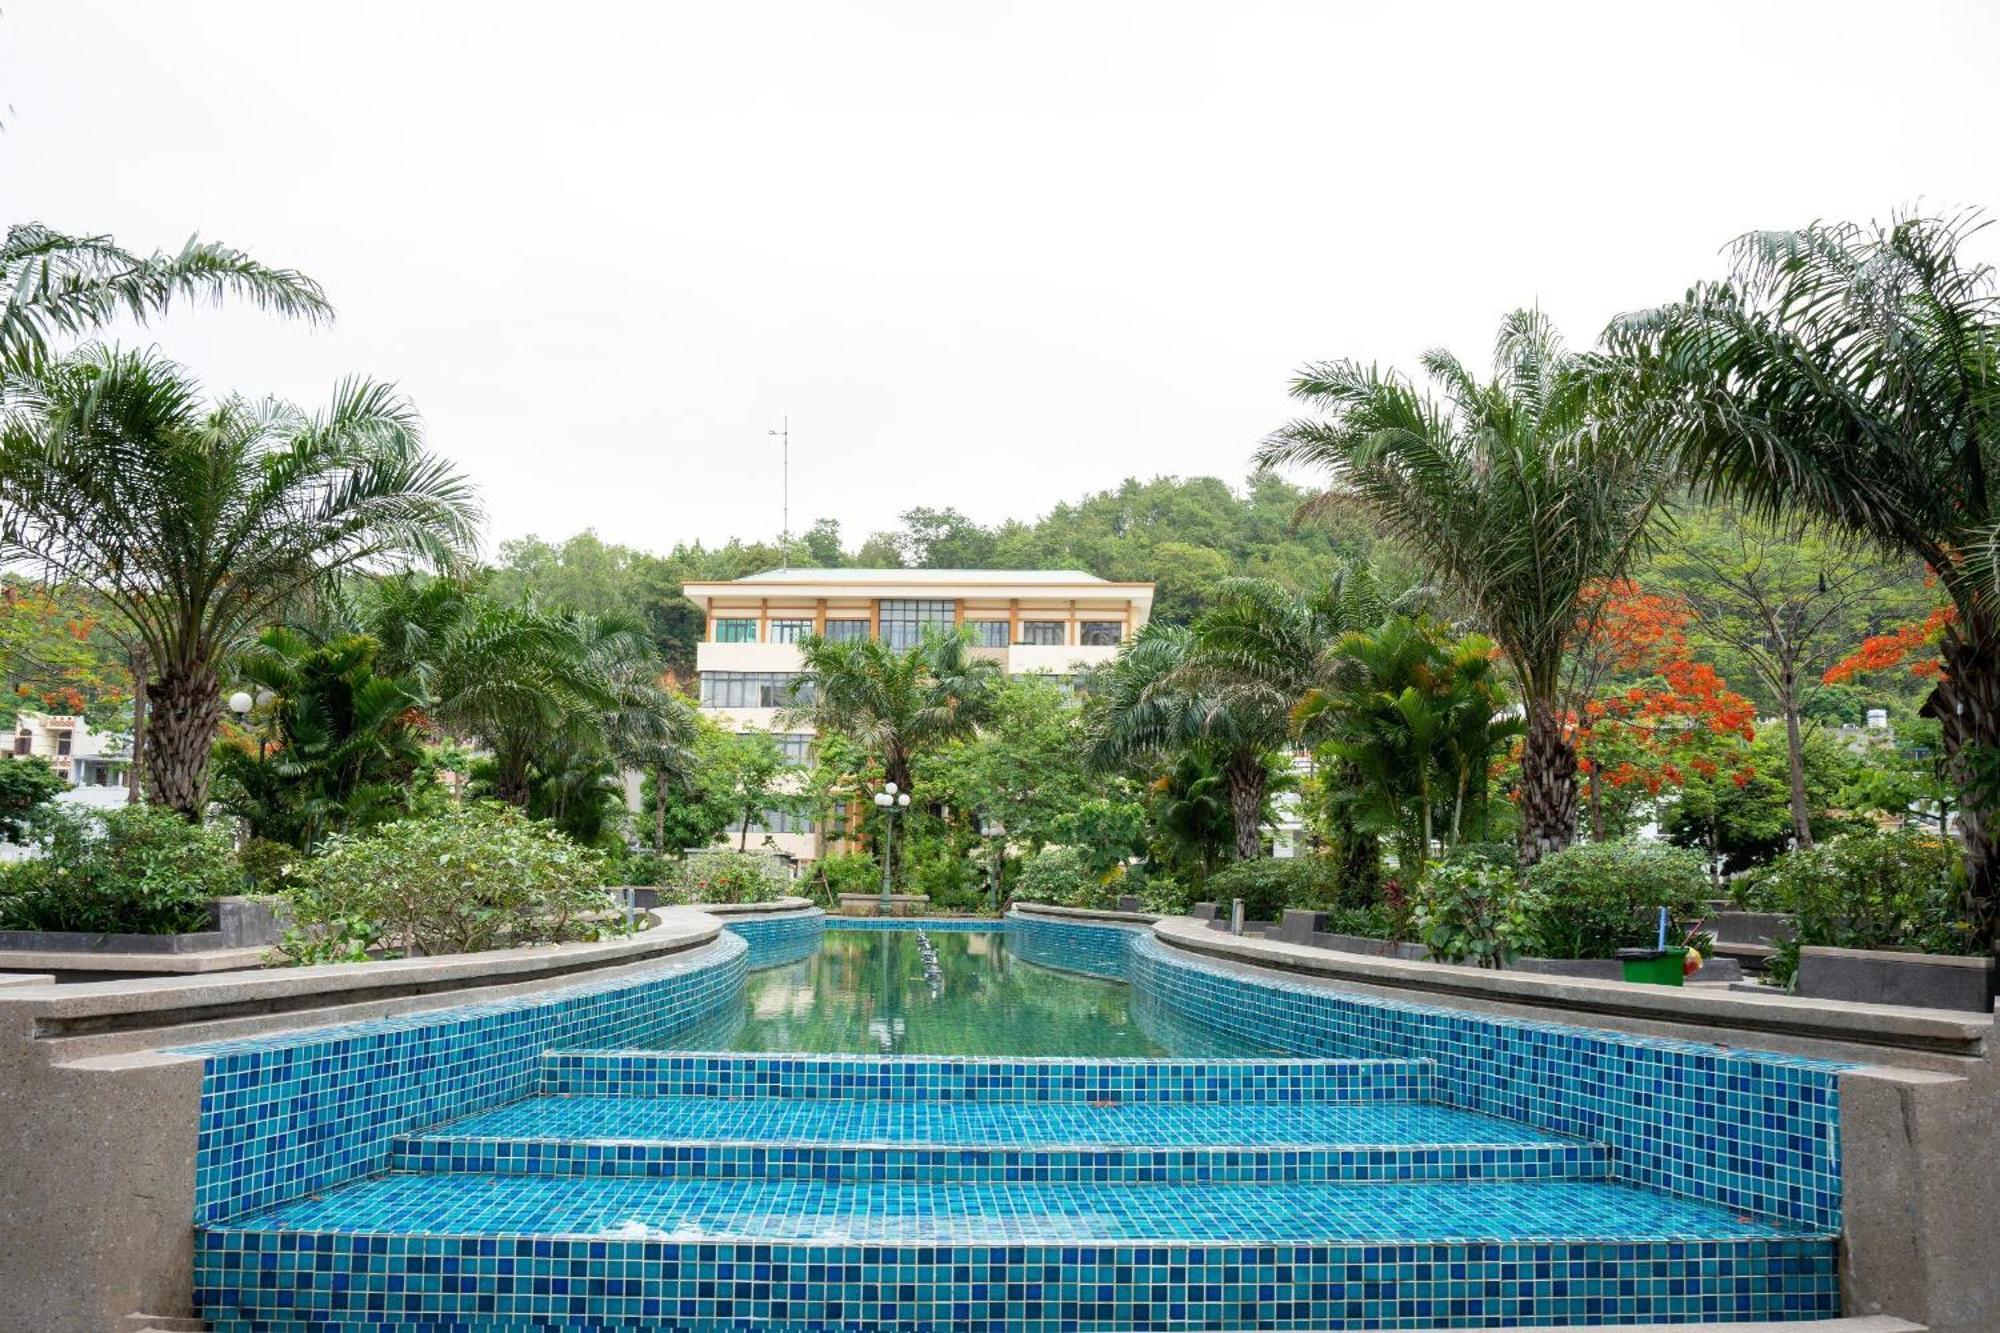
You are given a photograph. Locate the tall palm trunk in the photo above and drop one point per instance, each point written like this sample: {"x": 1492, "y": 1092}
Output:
{"x": 185, "y": 711}
{"x": 1966, "y": 704}
{"x": 659, "y": 811}
{"x": 135, "y": 776}
{"x": 1548, "y": 785}
{"x": 1247, "y": 778}
{"x": 1795, "y": 758}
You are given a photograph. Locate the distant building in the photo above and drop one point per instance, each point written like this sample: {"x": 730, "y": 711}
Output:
{"x": 83, "y": 757}
{"x": 1037, "y": 622}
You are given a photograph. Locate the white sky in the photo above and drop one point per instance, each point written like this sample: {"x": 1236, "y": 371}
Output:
{"x": 984, "y": 255}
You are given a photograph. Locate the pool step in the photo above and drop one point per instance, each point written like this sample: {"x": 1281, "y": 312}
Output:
{"x": 598, "y": 1255}
{"x": 872, "y": 1139}
{"x": 950, "y": 1079}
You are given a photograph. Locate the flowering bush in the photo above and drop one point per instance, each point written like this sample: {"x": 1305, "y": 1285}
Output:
{"x": 724, "y": 877}
{"x": 485, "y": 877}
{"x": 1060, "y": 877}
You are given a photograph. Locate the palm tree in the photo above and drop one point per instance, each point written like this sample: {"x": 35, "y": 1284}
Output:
{"x": 1852, "y": 374}
{"x": 197, "y": 524}
{"x": 1514, "y": 495}
{"x": 54, "y": 285}
{"x": 893, "y": 704}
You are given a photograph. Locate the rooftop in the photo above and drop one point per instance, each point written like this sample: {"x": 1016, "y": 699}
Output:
{"x": 847, "y": 575}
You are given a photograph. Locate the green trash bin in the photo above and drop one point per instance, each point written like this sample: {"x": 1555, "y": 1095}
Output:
{"x": 1654, "y": 967}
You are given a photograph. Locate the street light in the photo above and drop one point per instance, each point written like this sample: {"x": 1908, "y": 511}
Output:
{"x": 891, "y": 803}
{"x": 241, "y": 702}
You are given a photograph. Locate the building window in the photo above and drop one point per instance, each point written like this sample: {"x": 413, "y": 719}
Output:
{"x": 989, "y": 633}
{"x": 847, "y": 631}
{"x": 904, "y": 622}
{"x": 796, "y": 746}
{"x": 24, "y": 744}
{"x": 1043, "y": 633}
{"x": 1100, "y": 633}
{"x": 775, "y": 821}
{"x": 736, "y": 631}
{"x": 62, "y": 742}
{"x": 751, "y": 689}
{"x": 790, "y": 631}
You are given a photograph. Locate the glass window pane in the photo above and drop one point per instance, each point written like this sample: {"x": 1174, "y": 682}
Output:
{"x": 1044, "y": 633}
{"x": 989, "y": 633}
{"x": 736, "y": 631}
{"x": 904, "y": 621}
{"x": 790, "y": 631}
{"x": 1100, "y": 633}
{"x": 847, "y": 631}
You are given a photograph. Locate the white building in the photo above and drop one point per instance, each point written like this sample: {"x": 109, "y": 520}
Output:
{"x": 83, "y": 757}
{"x": 1033, "y": 622}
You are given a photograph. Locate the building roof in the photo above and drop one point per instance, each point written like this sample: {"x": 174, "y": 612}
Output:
{"x": 1042, "y": 584}
{"x": 848, "y": 575}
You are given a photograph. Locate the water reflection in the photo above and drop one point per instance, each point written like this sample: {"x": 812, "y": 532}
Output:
{"x": 867, "y": 991}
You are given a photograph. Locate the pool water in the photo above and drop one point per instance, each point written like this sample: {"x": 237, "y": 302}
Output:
{"x": 870, "y": 992}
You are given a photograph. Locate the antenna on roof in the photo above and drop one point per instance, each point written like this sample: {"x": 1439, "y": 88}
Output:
{"x": 784, "y": 433}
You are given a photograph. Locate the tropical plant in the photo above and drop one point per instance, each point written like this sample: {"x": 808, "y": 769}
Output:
{"x": 1869, "y": 890}
{"x": 1059, "y": 876}
{"x": 55, "y": 285}
{"x": 1511, "y": 493}
{"x": 1472, "y": 911}
{"x": 1414, "y": 721}
{"x": 26, "y": 784}
{"x": 333, "y": 748}
{"x": 1595, "y": 898}
{"x": 1852, "y": 374}
{"x": 135, "y": 870}
{"x": 481, "y": 877}
{"x": 1269, "y": 886}
{"x": 892, "y": 706}
{"x": 724, "y": 877}
{"x": 195, "y": 525}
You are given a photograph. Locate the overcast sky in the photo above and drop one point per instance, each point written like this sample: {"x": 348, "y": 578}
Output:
{"x": 984, "y": 255}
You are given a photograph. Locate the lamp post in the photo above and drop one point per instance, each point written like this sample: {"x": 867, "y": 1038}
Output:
{"x": 241, "y": 702}
{"x": 891, "y": 803}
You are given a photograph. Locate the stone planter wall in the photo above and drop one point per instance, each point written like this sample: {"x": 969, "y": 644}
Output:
{"x": 1886, "y": 976}
{"x": 870, "y": 904}
{"x": 237, "y": 923}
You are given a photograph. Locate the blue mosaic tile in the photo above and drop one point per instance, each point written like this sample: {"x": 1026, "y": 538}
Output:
{"x": 1164, "y": 1142}
{"x": 435, "y": 1252}
{"x": 289, "y": 1112}
{"x": 781, "y": 937}
{"x": 1094, "y": 950}
{"x": 946, "y": 1078}
{"x": 1747, "y": 1129}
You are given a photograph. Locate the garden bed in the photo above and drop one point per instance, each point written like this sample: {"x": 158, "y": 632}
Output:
{"x": 235, "y": 923}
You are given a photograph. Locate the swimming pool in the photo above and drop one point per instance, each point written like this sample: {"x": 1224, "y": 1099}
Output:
{"x": 809, "y": 1127}
{"x": 947, "y": 990}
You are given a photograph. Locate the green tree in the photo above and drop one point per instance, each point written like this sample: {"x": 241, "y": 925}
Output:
{"x": 334, "y": 749}
{"x": 1852, "y": 374}
{"x": 54, "y": 285}
{"x": 26, "y": 784}
{"x": 1511, "y": 495}
{"x": 196, "y": 525}
{"x": 1784, "y": 599}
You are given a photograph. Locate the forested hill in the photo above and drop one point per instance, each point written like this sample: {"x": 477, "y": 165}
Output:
{"x": 1182, "y": 534}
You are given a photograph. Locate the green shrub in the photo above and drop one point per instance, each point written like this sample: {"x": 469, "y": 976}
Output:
{"x": 725, "y": 877}
{"x": 1595, "y": 898}
{"x": 849, "y": 872}
{"x": 267, "y": 865}
{"x": 140, "y": 870}
{"x": 26, "y": 785}
{"x": 1375, "y": 922}
{"x": 1270, "y": 885}
{"x": 1060, "y": 876}
{"x": 1471, "y": 912}
{"x": 485, "y": 877}
{"x": 1870, "y": 890}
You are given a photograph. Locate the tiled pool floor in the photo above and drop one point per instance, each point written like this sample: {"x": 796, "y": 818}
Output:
{"x": 989, "y": 1124}
{"x": 1005, "y": 1214}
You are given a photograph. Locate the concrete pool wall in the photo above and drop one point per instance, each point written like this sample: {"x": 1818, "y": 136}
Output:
{"x": 133, "y": 1108}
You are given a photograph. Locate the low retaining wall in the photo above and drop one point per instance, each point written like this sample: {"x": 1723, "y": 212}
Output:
{"x": 1888, "y": 976}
